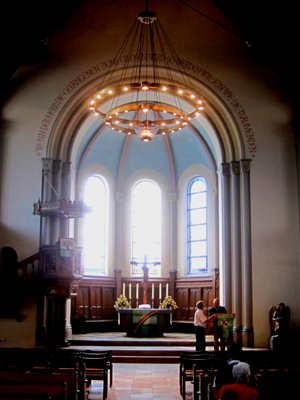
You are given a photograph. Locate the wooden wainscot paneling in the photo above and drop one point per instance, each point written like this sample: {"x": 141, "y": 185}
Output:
{"x": 189, "y": 290}
{"x": 96, "y": 298}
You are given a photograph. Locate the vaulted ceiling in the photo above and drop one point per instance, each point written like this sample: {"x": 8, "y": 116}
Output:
{"x": 270, "y": 29}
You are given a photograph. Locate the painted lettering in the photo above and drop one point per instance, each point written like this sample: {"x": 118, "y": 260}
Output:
{"x": 102, "y": 65}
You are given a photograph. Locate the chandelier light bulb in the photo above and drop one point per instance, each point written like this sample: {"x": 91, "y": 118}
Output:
{"x": 153, "y": 89}
{"x": 145, "y": 85}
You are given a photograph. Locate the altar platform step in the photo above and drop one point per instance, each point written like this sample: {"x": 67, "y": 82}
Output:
{"x": 125, "y": 349}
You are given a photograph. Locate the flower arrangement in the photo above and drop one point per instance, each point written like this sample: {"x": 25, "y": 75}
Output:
{"x": 121, "y": 302}
{"x": 169, "y": 303}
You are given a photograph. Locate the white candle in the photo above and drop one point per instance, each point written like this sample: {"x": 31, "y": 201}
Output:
{"x": 123, "y": 289}
{"x": 130, "y": 290}
{"x": 152, "y": 290}
{"x": 137, "y": 290}
{"x": 160, "y": 290}
{"x": 167, "y": 290}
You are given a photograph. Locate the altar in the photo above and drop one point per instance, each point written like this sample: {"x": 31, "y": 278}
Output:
{"x": 144, "y": 322}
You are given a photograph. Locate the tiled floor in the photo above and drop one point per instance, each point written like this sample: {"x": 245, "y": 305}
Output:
{"x": 142, "y": 382}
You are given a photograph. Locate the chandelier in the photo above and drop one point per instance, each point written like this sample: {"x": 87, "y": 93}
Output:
{"x": 140, "y": 94}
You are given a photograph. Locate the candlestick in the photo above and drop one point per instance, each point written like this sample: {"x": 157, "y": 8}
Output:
{"x": 123, "y": 289}
{"x": 152, "y": 290}
{"x": 137, "y": 290}
{"x": 130, "y": 290}
{"x": 167, "y": 290}
{"x": 160, "y": 290}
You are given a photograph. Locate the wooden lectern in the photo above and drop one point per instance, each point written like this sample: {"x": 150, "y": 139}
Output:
{"x": 223, "y": 330}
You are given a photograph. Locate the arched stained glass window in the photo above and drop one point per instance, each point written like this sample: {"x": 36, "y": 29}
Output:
{"x": 146, "y": 227}
{"x": 197, "y": 226}
{"x": 95, "y": 226}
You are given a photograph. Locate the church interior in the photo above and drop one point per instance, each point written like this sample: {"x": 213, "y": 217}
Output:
{"x": 149, "y": 152}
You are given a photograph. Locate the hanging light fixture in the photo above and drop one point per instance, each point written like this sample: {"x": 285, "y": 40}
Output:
{"x": 143, "y": 97}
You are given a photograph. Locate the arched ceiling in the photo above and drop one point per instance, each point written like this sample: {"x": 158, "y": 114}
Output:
{"x": 270, "y": 27}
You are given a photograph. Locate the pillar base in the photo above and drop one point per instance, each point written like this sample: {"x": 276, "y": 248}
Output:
{"x": 68, "y": 332}
{"x": 248, "y": 339}
{"x": 238, "y": 335}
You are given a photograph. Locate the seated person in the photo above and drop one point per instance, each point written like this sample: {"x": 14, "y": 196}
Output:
{"x": 234, "y": 356}
{"x": 239, "y": 390}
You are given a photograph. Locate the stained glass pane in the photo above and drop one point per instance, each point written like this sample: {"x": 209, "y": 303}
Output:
{"x": 146, "y": 225}
{"x": 95, "y": 195}
{"x": 197, "y": 225}
{"x": 198, "y": 216}
{"x": 198, "y": 265}
{"x": 198, "y": 232}
{"x": 198, "y": 185}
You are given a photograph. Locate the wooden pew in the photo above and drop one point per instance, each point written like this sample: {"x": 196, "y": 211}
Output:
{"x": 93, "y": 368}
{"x": 39, "y": 385}
{"x": 190, "y": 366}
{"x": 108, "y": 355}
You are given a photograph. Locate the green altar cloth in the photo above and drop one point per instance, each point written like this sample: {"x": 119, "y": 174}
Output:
{"x": 144, "y": 322}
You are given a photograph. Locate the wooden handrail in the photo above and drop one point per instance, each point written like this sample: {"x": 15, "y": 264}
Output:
{"x": 23, "y": 265}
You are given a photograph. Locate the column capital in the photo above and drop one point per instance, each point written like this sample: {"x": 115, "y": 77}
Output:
{"x": 56, "y": 165}
{"x": 66, "y": 167}
{"x": 120, "y": 197}
{"x": 235, "y": 167}
{"x": 172, "y": 197}
{"x": 245, "y": 165}
{"x": 46, "y": 164}
{"x": 225, "y": 169}
{"x": 215, "y": 190}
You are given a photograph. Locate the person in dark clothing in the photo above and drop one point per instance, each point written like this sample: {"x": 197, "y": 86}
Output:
{"x": 217, "y": 309}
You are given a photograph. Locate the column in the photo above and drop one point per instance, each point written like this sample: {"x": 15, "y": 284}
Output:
{"x": 118, "y": 276}
{"x": 236, "y": 251}
{"x": 247, "y": 259}
{"x": 44, "y": 222}
{"x": 173, "y": 275}
{"x": 56, "y": 184}
{"x": 68, "y": 326}
{"x": 226, "y": 236}
{"x": 119, "y": 220}
{"x": 215, "y": 193}
{"x": 173, "y": 230}
{"x": 65, "y": 194}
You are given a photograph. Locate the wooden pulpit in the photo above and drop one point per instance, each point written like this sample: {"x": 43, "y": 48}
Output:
{"x": 223, "y": 330}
